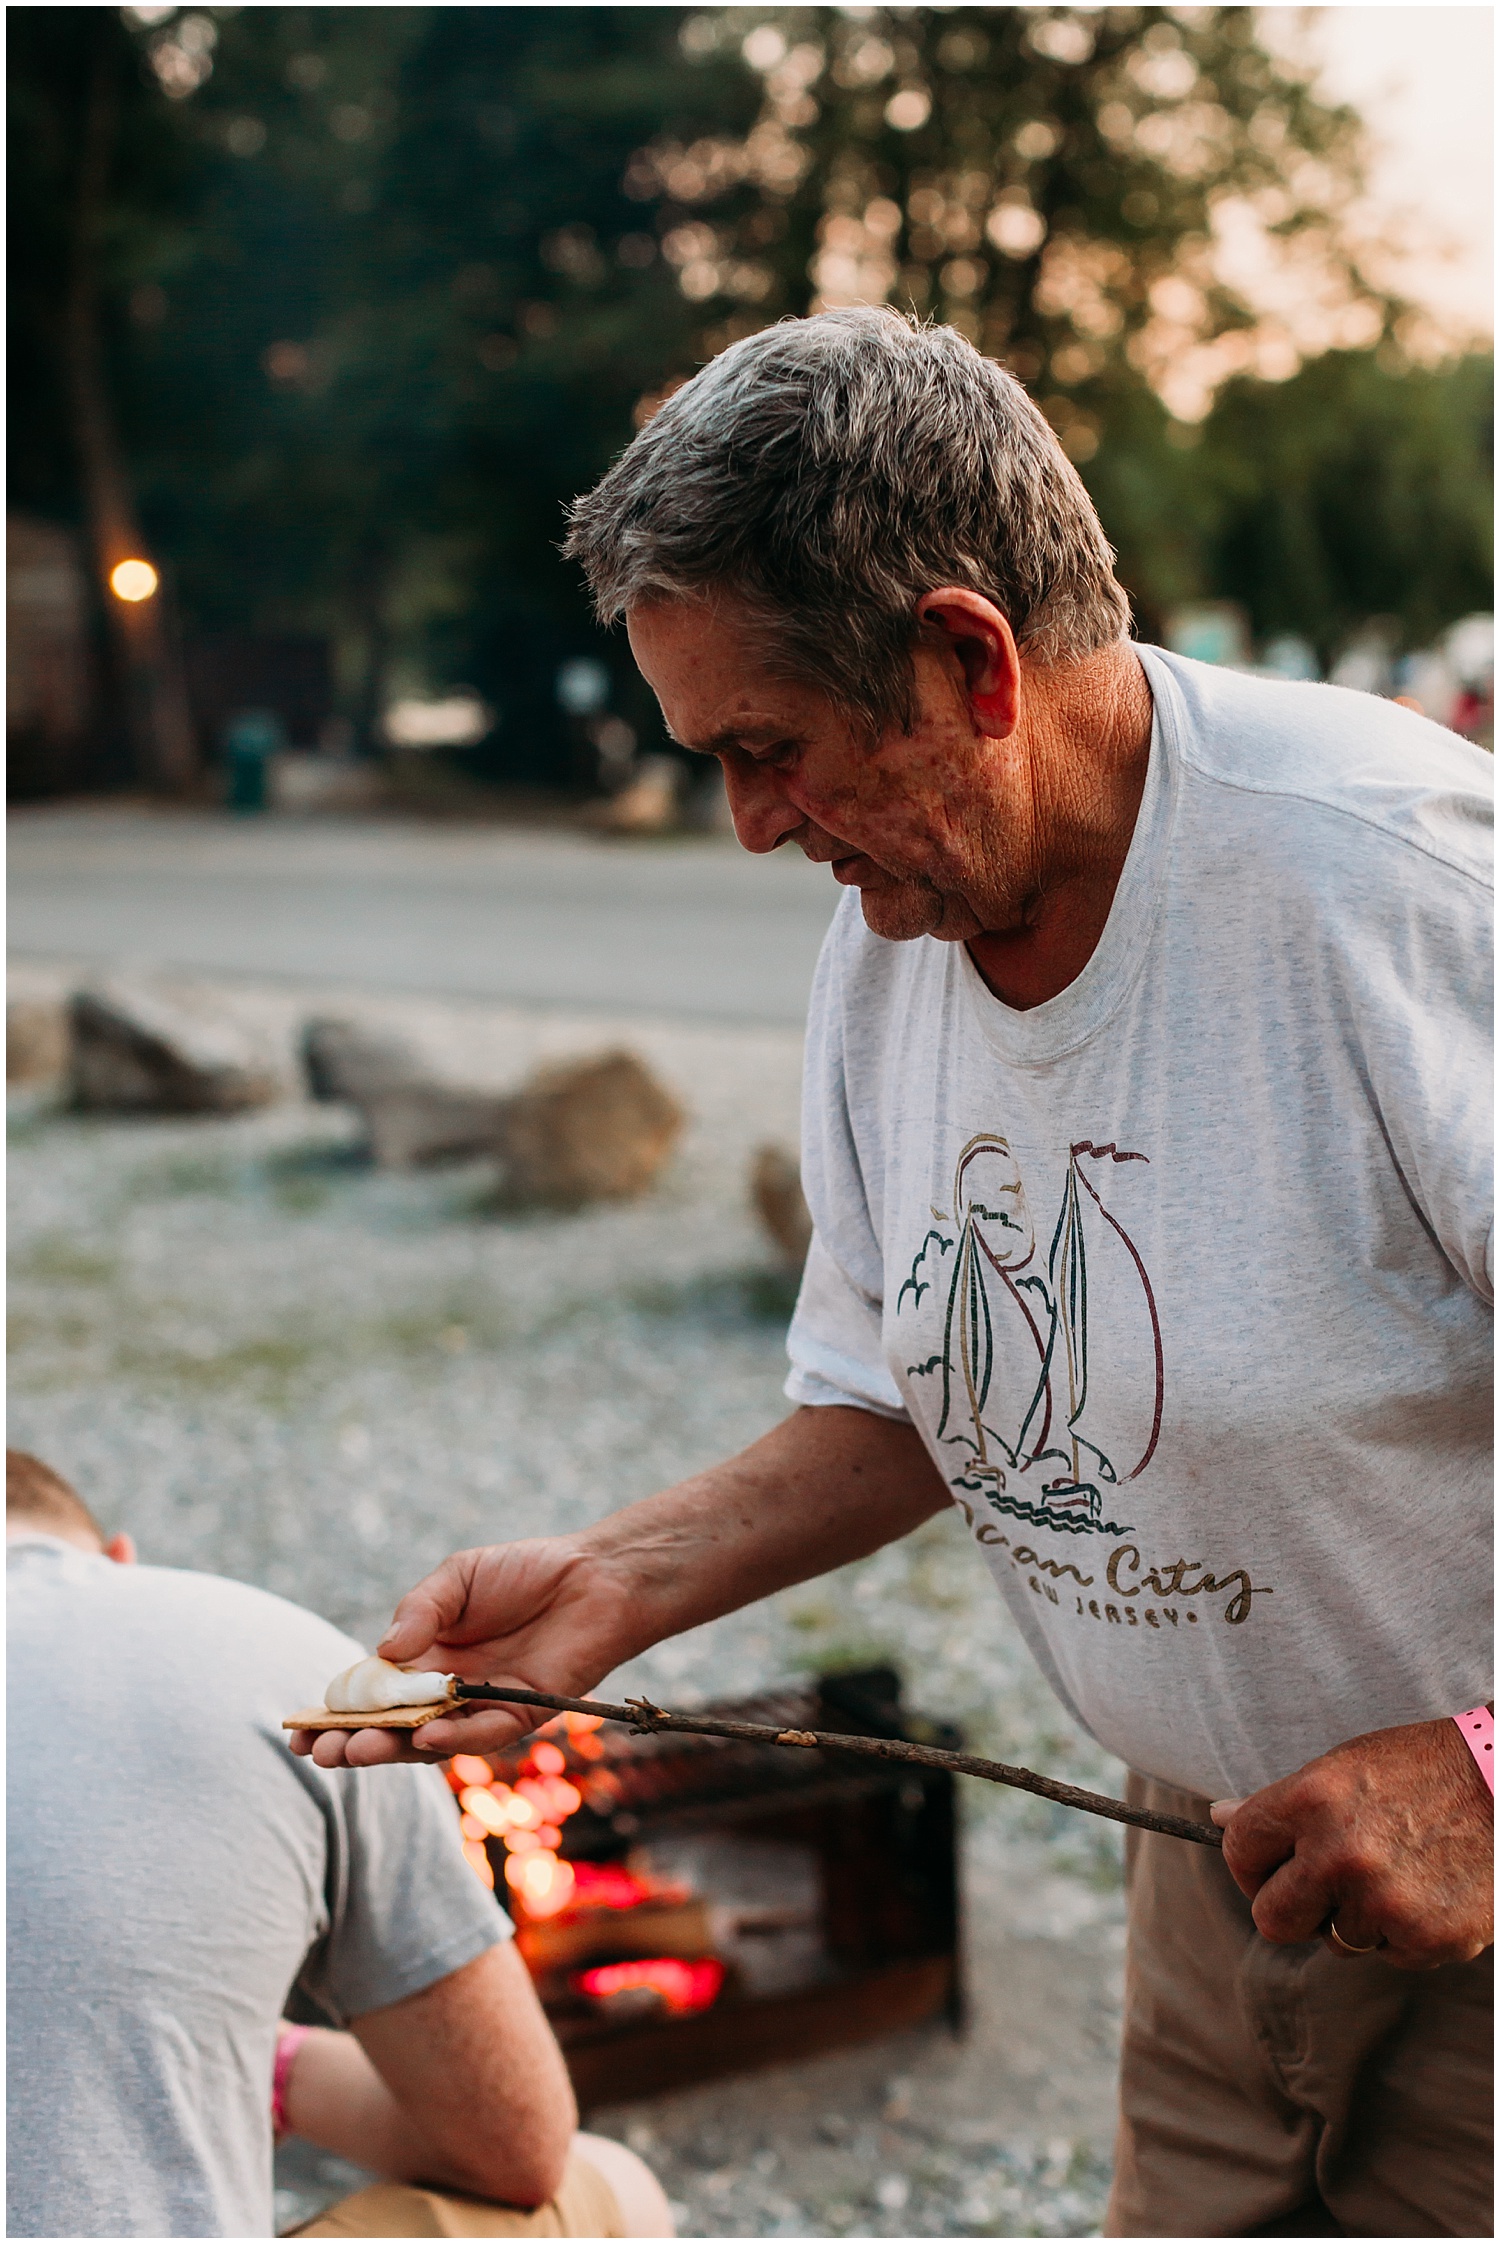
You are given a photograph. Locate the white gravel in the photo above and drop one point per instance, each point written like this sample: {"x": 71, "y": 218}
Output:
{"x": 269, "y": 1362}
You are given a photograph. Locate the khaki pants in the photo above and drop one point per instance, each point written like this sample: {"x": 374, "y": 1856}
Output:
{"x": 584, "y": 2206}
{"x": 1284, "y": 2091}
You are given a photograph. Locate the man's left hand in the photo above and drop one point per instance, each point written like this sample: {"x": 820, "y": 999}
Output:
{"x": 1390, "y": 1836}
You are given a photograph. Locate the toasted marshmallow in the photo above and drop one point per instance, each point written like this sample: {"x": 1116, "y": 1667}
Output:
{"x": 373, "y": 1687}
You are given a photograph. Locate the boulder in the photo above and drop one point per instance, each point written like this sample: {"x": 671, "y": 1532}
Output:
{"x": 36, "y": 1039}
{"x": 409, "y": 1117}
{"x": 596, "y": 1129}
{"x": 343, "y": 1061}
{"x": 408, "y": 1124}
{"x": 776, "y": 1190}
{"x": 139, "y": 1051}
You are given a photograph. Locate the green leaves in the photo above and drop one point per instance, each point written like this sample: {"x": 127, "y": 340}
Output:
{"x": 390, "y": 285}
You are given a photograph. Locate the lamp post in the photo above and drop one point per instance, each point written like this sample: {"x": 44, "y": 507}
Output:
{"x": 156, "y": 704}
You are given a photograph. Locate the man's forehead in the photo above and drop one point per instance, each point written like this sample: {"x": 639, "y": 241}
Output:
{"x": 711, "y": 678}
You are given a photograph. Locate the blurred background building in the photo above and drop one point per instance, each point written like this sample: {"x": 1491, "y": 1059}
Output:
{"x": 324, "y": 313}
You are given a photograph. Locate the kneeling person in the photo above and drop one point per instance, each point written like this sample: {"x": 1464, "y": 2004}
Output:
{"x": 172, "y": 1880}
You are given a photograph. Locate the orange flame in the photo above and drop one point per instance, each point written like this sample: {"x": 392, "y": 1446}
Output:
{"x": 541, "y": 1881}
{"x": 527, "y": 1817}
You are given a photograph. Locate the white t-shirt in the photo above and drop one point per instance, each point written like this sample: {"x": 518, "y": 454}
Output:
{"x": 1184, "y": 1276}
{"x": 174, "y": 1873}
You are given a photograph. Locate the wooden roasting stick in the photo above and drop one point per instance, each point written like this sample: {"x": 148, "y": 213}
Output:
{"x": 641, "y": 1715}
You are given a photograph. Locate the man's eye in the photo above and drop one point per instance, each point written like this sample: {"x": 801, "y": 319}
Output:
{"x": 780, "y": 754}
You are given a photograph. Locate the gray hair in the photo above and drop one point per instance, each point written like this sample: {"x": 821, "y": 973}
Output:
{"x": 825, "y": 473}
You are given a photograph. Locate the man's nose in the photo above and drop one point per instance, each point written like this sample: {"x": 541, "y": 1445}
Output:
{"x": 763, "y": 814}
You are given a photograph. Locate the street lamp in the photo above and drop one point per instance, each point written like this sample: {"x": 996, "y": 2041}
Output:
{"x": 133, "y": 581}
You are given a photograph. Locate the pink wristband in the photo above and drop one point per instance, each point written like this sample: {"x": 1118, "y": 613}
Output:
{"x": 1477, "y": 1729}
{"x": 289, "y": 2040}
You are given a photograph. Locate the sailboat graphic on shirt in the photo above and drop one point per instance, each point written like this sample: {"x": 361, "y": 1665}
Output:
{"x": 1043, "y": 1423}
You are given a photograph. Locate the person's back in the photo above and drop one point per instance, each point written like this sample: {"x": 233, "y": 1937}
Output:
{"x": 173, "y": 1872}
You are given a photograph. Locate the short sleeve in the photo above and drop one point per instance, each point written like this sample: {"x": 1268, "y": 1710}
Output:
{"x": 405, "y": 1909}
{"x": 1421, "y": 983}
{"x": 835, "y": 1342}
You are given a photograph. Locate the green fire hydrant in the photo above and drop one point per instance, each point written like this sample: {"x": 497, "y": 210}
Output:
{"x": 250, "y": 740}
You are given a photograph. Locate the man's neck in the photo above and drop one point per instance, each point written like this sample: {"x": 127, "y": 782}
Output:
{"x": 1088, "y": 739}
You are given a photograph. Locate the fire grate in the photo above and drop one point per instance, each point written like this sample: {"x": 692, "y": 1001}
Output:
{"x": 693, "y": 1907}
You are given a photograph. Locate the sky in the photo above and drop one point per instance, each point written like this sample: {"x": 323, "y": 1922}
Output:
{"x": 1424, "y": 80}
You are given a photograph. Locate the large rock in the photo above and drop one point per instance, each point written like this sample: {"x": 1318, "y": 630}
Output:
{"x": 584, "y": 1130}
{"x": 776, "y": 1190}
{"x": 36, "y": 1039}
{"x": 594, "y": 1129}
{"x": 408, "y": 1124}
{"x": 343, "y": 1061}
{"x": 409, "y": 1117}
{"x": 139, "y": 1051}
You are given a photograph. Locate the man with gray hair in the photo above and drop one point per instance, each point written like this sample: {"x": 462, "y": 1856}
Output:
{"x": 1146, "y": 1140}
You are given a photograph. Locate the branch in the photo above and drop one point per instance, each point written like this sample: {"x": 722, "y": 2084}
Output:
{"x": 640, "y": 1715}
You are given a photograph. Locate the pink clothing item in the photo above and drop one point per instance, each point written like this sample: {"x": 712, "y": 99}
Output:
{"x": 289, "y": 2040}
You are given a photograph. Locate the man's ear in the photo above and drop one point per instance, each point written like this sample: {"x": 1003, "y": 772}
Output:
{"x": 121, "y": 1548}
{"x": 985, "y": 647}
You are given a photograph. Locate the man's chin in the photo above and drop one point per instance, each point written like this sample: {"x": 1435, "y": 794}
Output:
{"x": 902, "y": 911}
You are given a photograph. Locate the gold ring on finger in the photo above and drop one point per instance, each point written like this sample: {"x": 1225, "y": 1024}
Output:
{"x": 1345, "y": 1947}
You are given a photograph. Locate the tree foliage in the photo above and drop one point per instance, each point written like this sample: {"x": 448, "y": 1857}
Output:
{"x": 1049, "y": 181}
{"x": 386, "y": 286}
{"x": 1352, "y": 491}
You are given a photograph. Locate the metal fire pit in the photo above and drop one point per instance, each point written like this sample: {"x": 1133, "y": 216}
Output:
{"x": 825, "y": 1886}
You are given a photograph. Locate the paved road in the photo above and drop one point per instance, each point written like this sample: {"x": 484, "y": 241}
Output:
{"x": 691, "y": 928}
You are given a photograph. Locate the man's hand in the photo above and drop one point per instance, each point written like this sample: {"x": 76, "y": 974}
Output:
{"x": 558, "y": 1615}
{"x": 544, "y": 1614}
{"x": 1391, "y": 1836}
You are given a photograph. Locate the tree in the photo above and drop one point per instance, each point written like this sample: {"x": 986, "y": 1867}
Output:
{"x": 1354, "y": 490}
{"x": 379, "y": 289}
{"x": 528, "y": 237}
{"x": 1061, "y": 185}
{"x": 1035, "y": 176}
{"x": 1054, "y": 182}
{"x": 78, "y": 111}
{"x": 418, "y": 312}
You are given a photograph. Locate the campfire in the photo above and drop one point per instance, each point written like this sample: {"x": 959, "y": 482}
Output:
{"x": 695, "y": 1906}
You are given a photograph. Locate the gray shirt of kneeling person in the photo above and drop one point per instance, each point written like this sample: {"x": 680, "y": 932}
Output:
{"x": 174, "y": 1873}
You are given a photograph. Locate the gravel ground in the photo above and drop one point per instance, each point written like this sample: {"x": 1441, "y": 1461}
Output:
{"x": 269, "y": 1362}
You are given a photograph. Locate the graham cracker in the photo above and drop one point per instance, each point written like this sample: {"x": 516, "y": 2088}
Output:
{"x": 389, "y": 1718}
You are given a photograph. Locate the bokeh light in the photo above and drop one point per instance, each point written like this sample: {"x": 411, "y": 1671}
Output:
{"x": 133, "y": 580}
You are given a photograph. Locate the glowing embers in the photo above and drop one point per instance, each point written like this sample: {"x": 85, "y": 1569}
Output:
{"x": 609, "y": 1885}
{"x": 574, "y": 1919}
{"x": 526, "y": 1817}
{"x": 820, "y": 1895}
{"x": 676, "y": 1984}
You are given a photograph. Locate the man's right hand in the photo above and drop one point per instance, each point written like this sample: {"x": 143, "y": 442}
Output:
{"x": 825, "y": 1486}
{"x": 544, "y": 1614}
